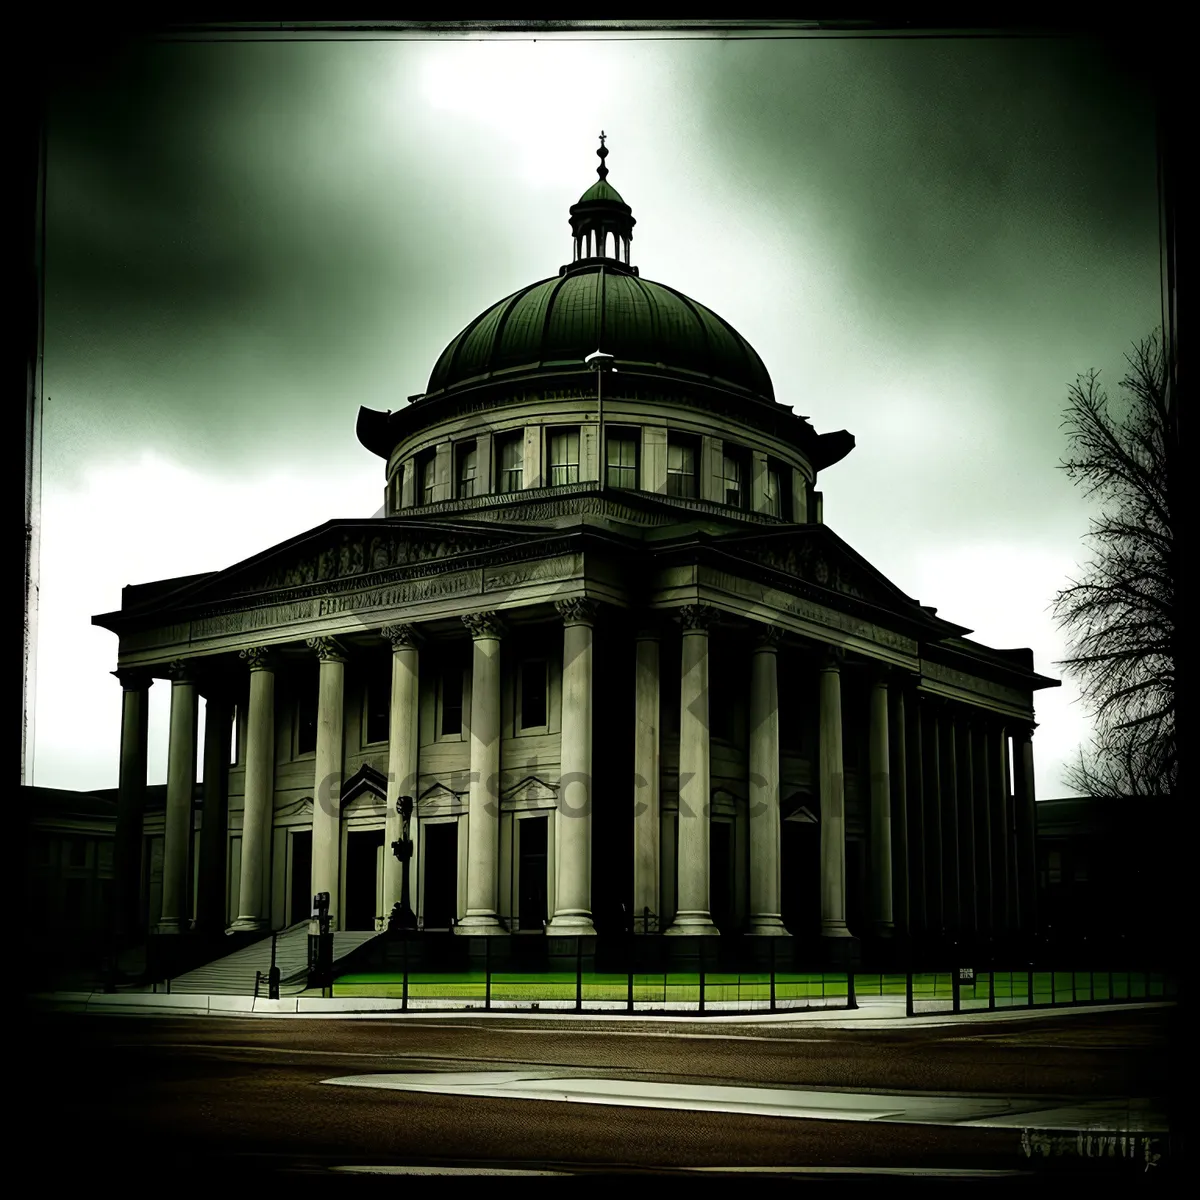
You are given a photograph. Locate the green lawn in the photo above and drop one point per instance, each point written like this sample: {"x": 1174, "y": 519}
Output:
{"x": 681, "y": 987}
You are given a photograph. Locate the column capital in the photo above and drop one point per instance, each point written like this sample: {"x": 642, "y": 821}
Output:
{"x": 327, "y": 649}
{"x": 257, "y": 658}
{"x": 833, "y": 658}
{"x": 697, "y": 618}
{"x": 133, "y": 679}
{"x": 484, "y": 624}
{"x": 402, "y": 637}
{"x": 767, "y": 638}
{"x": 577, "y": 611}
{"x": 181, "y": 671}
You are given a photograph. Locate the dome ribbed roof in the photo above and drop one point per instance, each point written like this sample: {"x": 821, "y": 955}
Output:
{"x": 554, "y": 324}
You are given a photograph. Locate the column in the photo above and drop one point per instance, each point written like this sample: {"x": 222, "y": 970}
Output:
{"x": 483, "y": 805}
{"x": 917, "y": 836}
{"x": 692, "y": 914}
{"x": 765, "y": 881}
{"x": 573, "y": 857}
{"x": 214, "y": 814}
{"x": 950, "y": 831}
{"x": 882, "y": 921}
{"x": 647, "y": 773}
{"x": 1001, "y": 838}
{"x": 966, "y": 809}
{"x": 181, "y": 787}
{"x": 131, "y": 803}
{"x": 898, "y": 746}
{"x": 1025, "y": 827}
{"x": 403, "y": 760}
{"x": 985, "y": 877}
{"x": 329, "y": 770}
{"x": 935, "y": 867}
{"x": 833, "y": 801}
{"x": 259, "y": 801}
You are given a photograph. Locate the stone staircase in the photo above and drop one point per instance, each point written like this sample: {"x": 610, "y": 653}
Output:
{"x": 236, "y": 974}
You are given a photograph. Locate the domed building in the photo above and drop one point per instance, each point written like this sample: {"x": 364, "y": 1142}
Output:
{"x": 605, "y": 652}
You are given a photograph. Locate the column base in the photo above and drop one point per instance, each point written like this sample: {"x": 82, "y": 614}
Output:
{"x": 571, "y": 925}
{"x": 692, "y": 925}
{"x": 250, "y": 925}
{"x": 480, "y": 925}
{"x": 172, "y": 926}
{"x": 883, "y": 929}
{"x": 835, "y": 929}
{"x": 766, "y": 925}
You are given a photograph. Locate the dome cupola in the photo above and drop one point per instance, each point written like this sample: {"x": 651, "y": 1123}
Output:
{"x": 602, "y": 222}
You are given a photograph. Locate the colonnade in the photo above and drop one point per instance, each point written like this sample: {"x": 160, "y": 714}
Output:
{"x": 950, "y": 827}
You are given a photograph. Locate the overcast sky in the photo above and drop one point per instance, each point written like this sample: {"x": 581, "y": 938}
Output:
{"x": 926, "y": 241}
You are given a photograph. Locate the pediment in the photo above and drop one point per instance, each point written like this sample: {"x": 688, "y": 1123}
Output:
{"x": 821, "y": 560}
{"x": 368, "y": 786}
{"x": 530, "y": 792}
{"x": 439, "y": 796}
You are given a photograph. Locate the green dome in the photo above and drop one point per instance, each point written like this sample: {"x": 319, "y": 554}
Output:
{"x": 647, "y": 327}
{"x": 601, "y": 190}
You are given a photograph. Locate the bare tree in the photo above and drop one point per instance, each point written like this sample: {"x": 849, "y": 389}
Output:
{"x": 1120, "y": 616}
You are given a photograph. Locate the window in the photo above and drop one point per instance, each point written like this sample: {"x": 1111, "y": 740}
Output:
{"x": 735, "y": 474}
{"x": 531, "y": 694}
{"x": 466, "y": 470}
{"x": 681, "y": 467}
{"x": 378, "y": 705}
{"x": 774, "y": 491}
{"x": 306, "y": 718}
{"x": 396, "y": 490}
{"x": 427, "y": 476}
{"x": 564, "y": 457}
{"x": 510, "y": 459}
{"x": 450, "y": 700}
{"x": 621, "y": 458}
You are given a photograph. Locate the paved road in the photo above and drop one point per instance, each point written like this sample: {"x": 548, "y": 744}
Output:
{"x": 230, "y": 1095}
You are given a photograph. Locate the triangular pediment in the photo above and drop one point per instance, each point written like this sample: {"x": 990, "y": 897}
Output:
{"x": 815, "y": 556}
{"x": 368, "y": 782}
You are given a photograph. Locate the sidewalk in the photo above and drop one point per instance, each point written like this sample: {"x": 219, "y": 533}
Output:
{"x": 874, "y": 1012}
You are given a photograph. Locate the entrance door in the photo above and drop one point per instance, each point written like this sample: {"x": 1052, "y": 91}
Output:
{"x": 532, "y": 839}
{"x": 800, "y": 850}
{"x": 720, "y": 879}
{"x": 362, "y": 878}
{"x": 300, "y": 899}
{"x": 440, "y": 892}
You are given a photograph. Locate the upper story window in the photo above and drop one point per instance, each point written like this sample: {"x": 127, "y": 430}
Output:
{"x": 735, "y": 488}
{"x": 564, "y": 456}
{"x": 396, "y": 490}
{"x": 533, "y": 687}
{"x": 681, "y": 466}
{"x": 427, "y": 476}
{"x": 306, "y": 717}
{"x": 775, "y": 489}
{"x": 378, "y": 704}
{"x": 621, "y": 458}
{"x": 450, "y": 700}
{"x": 466, "y": 468}
{"x": 510, "y": 462}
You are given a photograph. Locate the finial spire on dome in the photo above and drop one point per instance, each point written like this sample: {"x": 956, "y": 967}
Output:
{"x": 602, "y": 222}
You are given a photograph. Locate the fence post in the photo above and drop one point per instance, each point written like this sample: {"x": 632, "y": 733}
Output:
{"x": 772, "y": 941}
{"x": 956, "y": 987}
{"x": 629, "y": 967}
{"x": 700, "y": 947}
{"x": 1029, "y": 987}
{"x": 404, "y": 981}
{"x": 909, "y": 1007}
{"x": 487, "y": 973}
{"x": 579, "y": 974}
{"x": 992, "y": 988}
{"x": 851, "y": 998}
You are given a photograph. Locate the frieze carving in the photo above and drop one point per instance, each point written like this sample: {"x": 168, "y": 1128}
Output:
{"x": 973, "y": 683}
{"x": 402, "y": 593}
{"x": 483, "y": 624}
{"x": 807, "y": 562}
{"x": 402, "y": 637}
{"x": 580, "y": 611}
{"x": 542, "y": 571}
{"x": 257, "y": 658}
{"x": 809, "y": 610}
{"x": 327, "y": 649}
{"x": 697, "y": 617}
